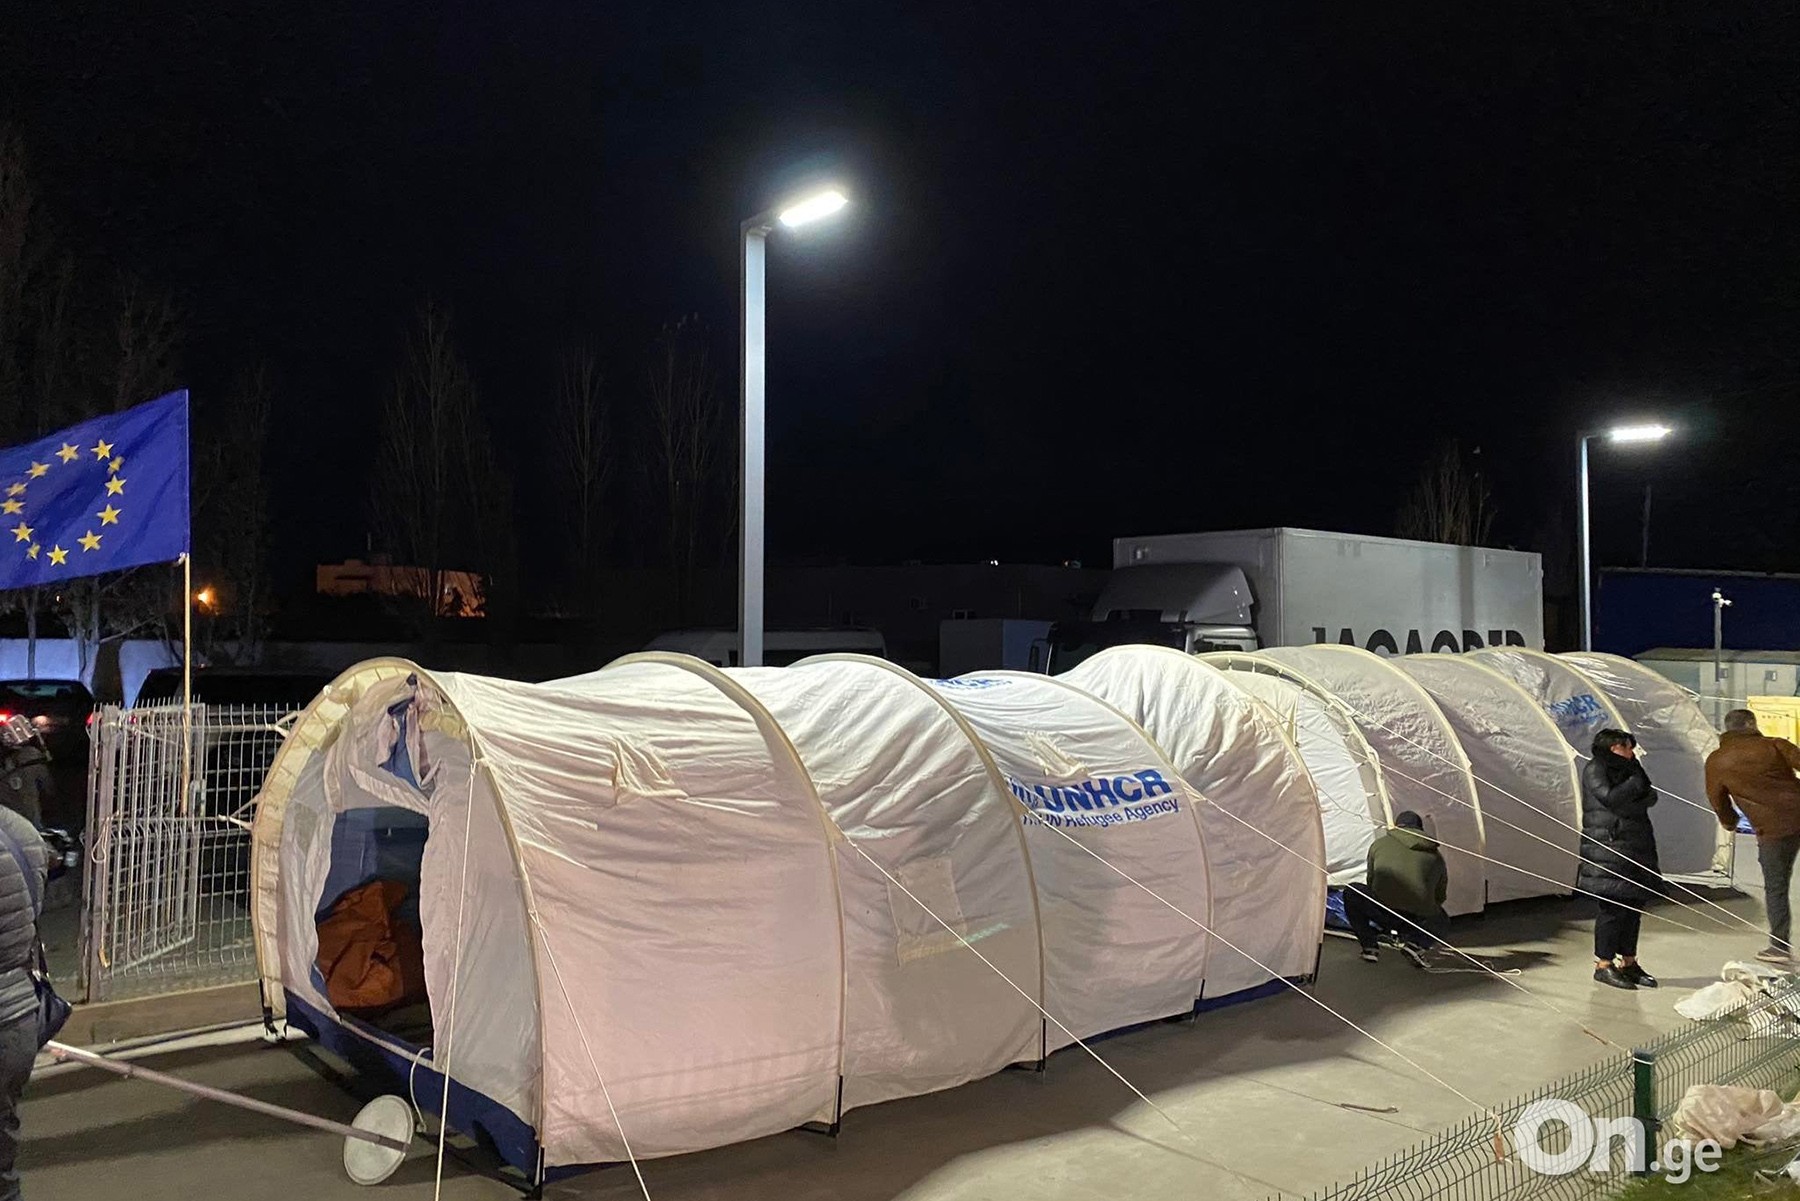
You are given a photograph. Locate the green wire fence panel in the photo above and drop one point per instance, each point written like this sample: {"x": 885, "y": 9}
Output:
{"x": 1756, "y": 1046}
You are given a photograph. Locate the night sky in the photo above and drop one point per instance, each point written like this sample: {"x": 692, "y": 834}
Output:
{"x": 1110, "y": 269}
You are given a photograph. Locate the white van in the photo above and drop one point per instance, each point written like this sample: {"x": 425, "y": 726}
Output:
{"x": 780, "y": 647}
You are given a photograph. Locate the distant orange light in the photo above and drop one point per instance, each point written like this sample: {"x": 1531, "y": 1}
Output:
{"x": 205, "y": 597}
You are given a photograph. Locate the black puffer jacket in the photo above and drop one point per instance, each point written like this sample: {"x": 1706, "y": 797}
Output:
{"x": 1616, "y": 834}
{"x": 19, "y": 917}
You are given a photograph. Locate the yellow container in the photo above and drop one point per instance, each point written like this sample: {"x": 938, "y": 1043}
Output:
{"x": 1777, "y": 716}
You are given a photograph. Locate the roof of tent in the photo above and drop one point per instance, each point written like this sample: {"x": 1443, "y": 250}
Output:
{"x": 1676, "y": 738}
{"x": 1422, "y": 762}
{"x": 1579, "y": 707}
{"x": 1115, "y": 846}
{"x": 1265, "y": 845}
{"x": 1345, "y": 771}
{"x": 1525, "y": 773}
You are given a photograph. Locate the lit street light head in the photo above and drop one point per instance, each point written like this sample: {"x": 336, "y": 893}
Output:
{"x": 1638, "y": 433}
{"x": 813, "y": 208}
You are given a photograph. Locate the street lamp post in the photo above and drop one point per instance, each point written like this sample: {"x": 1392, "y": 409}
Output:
{"x": 1618, "y": 435}
{"x": 750, "y": 430}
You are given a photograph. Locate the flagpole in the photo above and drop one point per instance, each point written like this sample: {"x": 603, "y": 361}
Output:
{"x": 187, "y": 680}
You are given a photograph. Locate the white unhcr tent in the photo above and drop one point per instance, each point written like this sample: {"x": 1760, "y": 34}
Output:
{"x": 1525, "y": 773}
{"x": 1422, "y": 764}
{"x": 1110, "y": 822}
{"x": 1346, "y": 776}
{"x": 673, "y": 907}
{"x": 1265, "y": 846}
{"x": 1675, "y": 738}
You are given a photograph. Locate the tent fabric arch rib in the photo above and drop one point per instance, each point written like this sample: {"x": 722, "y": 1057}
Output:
{"x": 1344, "y": 769}
{"x": 1114, "y": 955}
{"x": 1525, "y": 773}
{"x": 1260, "y": 820}
{"x": 1423, "y": 765}
{"x": 1675, "y": 737}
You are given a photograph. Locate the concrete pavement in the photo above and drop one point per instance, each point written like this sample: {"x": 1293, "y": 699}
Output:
{"x": 1257, "y": 1094}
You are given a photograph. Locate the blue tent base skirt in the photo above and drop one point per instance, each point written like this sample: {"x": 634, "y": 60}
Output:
{"x": 395, "y": 1065}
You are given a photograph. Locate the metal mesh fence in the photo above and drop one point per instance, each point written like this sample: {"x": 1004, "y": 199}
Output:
{"x": 166, "y": 891}
{"x": 1757, "y": 1046}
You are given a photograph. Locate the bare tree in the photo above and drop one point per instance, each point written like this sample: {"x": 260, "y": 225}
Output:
{"x": 433, "y": 507}
{"x": 584, "y": 430}
{"x": 1450, "y": 502}
{"x": 148, "y": 336}
{"x": 62, "y": 361}
{"x": 231, "y": 519}
{"x": 17, "y": 235}
{"x": 689, "y": 439}
{"x": 140, "y": 362}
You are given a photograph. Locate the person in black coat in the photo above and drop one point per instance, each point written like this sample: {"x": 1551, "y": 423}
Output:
{"x": 1618, "y": 855}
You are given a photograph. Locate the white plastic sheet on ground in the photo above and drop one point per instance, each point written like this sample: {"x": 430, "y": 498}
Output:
{"x": 1114, "y": 955}
{"x": 1729, "y": 1115}
{"x": 1260, "y": 820}
{"x": 1525, "y": 773}
{"x": 1353, "y": 804}
{"x": 1674, "y": 737}
{"x": 1422, "y": 763}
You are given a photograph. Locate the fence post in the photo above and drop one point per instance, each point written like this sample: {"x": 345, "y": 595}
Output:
{"x": 1643, "y": 1105}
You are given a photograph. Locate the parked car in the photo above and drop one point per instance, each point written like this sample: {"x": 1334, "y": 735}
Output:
{"x": 234, "y": 686}
{"x": 60, "y": 710}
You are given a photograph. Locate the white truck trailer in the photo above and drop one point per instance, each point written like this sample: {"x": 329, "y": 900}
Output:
{"x": 1244, "y": 589}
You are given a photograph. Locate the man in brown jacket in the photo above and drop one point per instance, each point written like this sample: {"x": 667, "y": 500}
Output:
{"x": 1755, "y": 774}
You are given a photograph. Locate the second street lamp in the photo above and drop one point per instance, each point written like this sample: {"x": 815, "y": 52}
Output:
{"x": 750, "y": 388}
{"x": 1618, "y": 435}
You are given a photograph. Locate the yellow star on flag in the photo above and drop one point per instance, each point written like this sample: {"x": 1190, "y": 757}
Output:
{"x": 67, "y": 453}
{"x": 103, "y": 449}
{"x": 89, "y": 541}
{"x": 15, "y": 489}
{"x": 33, "y": 552}
{"x": 38, "y": 469}
{"x": 58, "y": 555}
{"x": 108, "y": 516}
{"x": 21, "y": 532}
{"x": 115, "y": 485}
{"x": 117, "y": 465}
{"x": 12, "y": 506}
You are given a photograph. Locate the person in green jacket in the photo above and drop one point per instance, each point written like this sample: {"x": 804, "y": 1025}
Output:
{"x": 1404, "y": 896}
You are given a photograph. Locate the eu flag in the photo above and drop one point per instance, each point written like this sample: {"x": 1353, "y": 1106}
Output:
{"x": 99, "y": 496}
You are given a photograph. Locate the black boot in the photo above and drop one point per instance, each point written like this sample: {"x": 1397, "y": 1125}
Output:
{"x": 1638, "y": 976}
{"x": 1613, "y": 977}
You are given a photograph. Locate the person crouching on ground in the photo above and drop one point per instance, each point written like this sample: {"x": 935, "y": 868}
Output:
{"x": 1404, "y": 895}
{"x": 1618, "y": 855}
{"x": 1755, "y": 773}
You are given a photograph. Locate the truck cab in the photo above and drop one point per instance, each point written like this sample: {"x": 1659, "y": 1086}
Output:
{"x": 1193, "y": 607}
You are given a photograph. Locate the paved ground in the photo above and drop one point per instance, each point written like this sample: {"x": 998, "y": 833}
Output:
{"x": 1256, "y": 1091}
